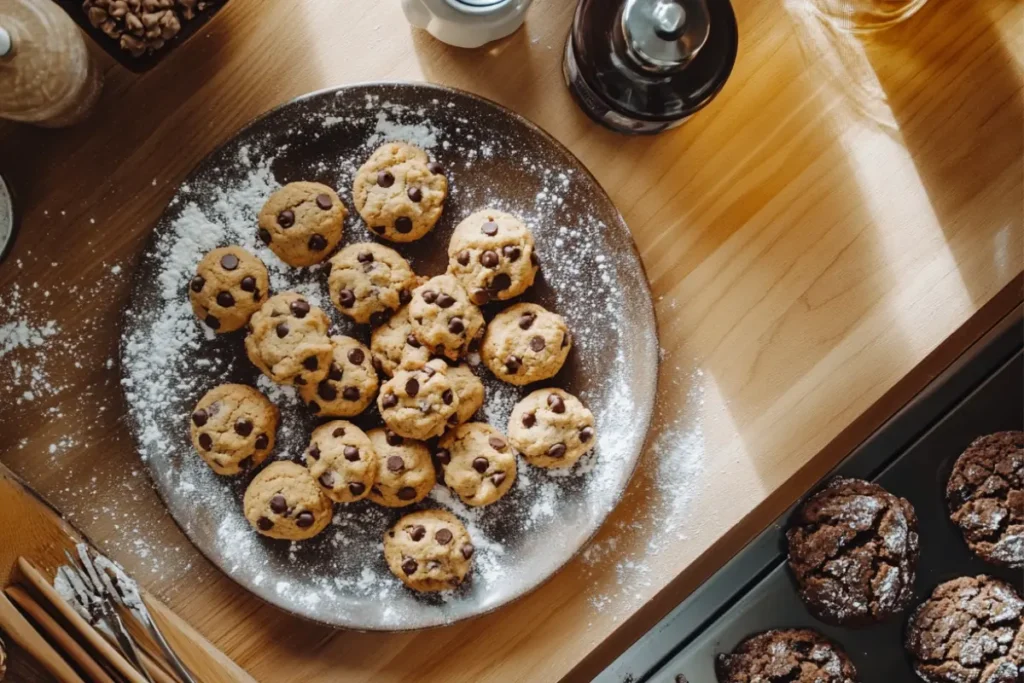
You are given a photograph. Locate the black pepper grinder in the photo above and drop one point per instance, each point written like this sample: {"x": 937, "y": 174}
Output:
{"x": 644, "y": 66}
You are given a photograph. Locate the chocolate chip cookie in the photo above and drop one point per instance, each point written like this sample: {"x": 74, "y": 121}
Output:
{"x": 478, "y": 464}
{"x": 368, "y": 282}
{"x": 853, "y": 549}
{"x": 350, "y": 385}
{"x": 443, "y": 318}
{"x": 526, "y": 343}
{"x": 233, "y": 427}
{"x": 288, "y": 340}
{"x": 551, "y": 428}
{"x": 786, "y": 656}
{"x": 394, "y": 346}
{"x": 230, "y": 285}
{"x": 399, "y": 192}
{"x": 985, "y": 493}
{"x": 283, "y": 501}
{"x": 469, "y": 389}
{"x": 416, "y": 403}
{"x": 492, "y": 254}
{"x": 405, "y": 471}
{"x": 342, "y": 460}
{"x": 429, "y": 551}
{"x": 969, "y": 631}
{"x": 302, "y": 223}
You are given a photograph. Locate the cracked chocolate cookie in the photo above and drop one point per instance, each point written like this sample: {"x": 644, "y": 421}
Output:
{"x": 786, "y": 656}
{"x": 479, "y": 466}
{"x": 526, "y": 343}
{"x": 233, "y": 428}
{"x": 443, "y": 318}
{"x": 492, "y": 255}
{"x": 302, "y": 223}
{"x": 283, "y": 501}
{"x": 416, "y": 403}
{"x": 399, "y": 192}
{"x": 985, "y": 493}
{"x": 369, "y": 282}
{"x": 288, "y": 340}
{"x": 394, "y": 346}
{"x": 405, "y": 471}
{"x": 969, "y": 631}
{"x": 853, "y": 549}
{"x": 350, "y": 385}
{"x": 342, "y": 461}
{"x": 230, "y": 285}
{"x": 551, "y": 428}
{"x": 429, "y": 551}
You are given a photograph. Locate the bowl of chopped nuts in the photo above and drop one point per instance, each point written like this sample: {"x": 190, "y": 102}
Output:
{"x": 139, "y": 33}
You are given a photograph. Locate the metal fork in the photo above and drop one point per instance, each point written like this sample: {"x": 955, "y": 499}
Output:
{"x": 91, "y": 597}
{"x": 122, "y": 589}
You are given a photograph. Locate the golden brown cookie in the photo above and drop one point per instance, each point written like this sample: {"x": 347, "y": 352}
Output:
{"x": 350, "y": 385}
{"x": 394, "y": 345}
{"x": 302, "y": 223}
{"x": 443, "y": 317}
{"x": 470, "y": 391}
{"x": 429, "y": 551}
{"x": 417, "y": 403}
{"x": 399, "y": 192}
{"x": 342, "y": 460}
{"x": 525, "y": 343}
{"x": 233, "y": 427}
{"x": 492, "y": 254}
{"x": 479, "y": 466}
{"x": 369, "y": 282}
{"x": 551, "y": 428}
{"x": 405, "y": 470}
{"x": 230, "y": 285}
{"x": 283, "y": 501}
{"x": 288, "y": 340}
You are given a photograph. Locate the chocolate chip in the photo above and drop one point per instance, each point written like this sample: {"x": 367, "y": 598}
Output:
{"x": 417, "y": 532}
{"x": 480, "y": 296}
{"x": 356, "y": 356}
{"x": 314, "y": 406}
{"x": 429, "y": 371}
{"x": 557, "y": 451}
{"x": 392, "y": 438}
{"x": 497, "y": 443}
{"x": 456, "y": 326}
{"x": 311, "y": 362}
{"x": 377, "y": 365}
{"x": 463, "y": 257}
{"x": 537, "y": 343}
{"x": 526, "y": 320}
{"x": 282, "y": 330}
{"x": 488, "y": 259}
{"x": 448, "y": 397}
{"x": 501, "y": 282}
{"x": 443, "y": 456}
{"x": 533, "y": 258}
{"x": 403, "y": 224}
{"x": 445, "y": 300}
{"x": 317, "y": 243}
{"x": 409, "y": 566}
{"x": 586, "y": 434}
{"x": 225, "y": 300}
{"x": 529, "y": 419}
{"x": 351, "y": 453}
{"x": 385, "y": 178}
{"x": 395, "y": 463}
{"x": 404, "y": 296}
{"x": 334, "y": 373}
{"x": 356, "y": 488}
{"x": 378, "y": 318}
{"x": 264, "y": 524}
{"x": 467, "y": 551}
{"x": 262, "y": 441}
{"x": 212, "y": 322}
{"x": 327, "y": 480}
{"x": 374, "y": 490}
{"x": 243, "y": 427}
{"x": 443, "y": 536}
{"x": 511, "y": 253}
{"x": 346, "y": 298}
{"x": 498, "y": 478}
{"x": 379, "y": 229}
{"x": 430, "y": 296}
{"x": 415, "y": 194}
{"x": 412, "y": 387}
{"x": 435, "y": 168}
{"x": 490, "y": 228}
{"x": 206, "y": 441}
{"x": 512, "y": 364}
{"x": 412, "y": 341}
{"x": 314, "y": 452}
{"x": 389, "y": 400}
{"x": 365, "y": 257}
{"x": 197, "y": 284}
{"x": 304, "y": 520}
{"x": 300, "y": 380}
{"x": 556, "y": 403}
{"x": 200, "y": 417}
{"x": 350, "y": 393}
{"x": 299, "y": 307}
{"x": 406, "y": 493}
{"x": 286, "y": 218}
{"x": 480, "y": 465}
{"x": 325, "y": 391}
{"x": 228, "y": 261}
{"x": 264, "y": 235}
{"x": 324, "y": 201}
{"x": 248, "y": 284}
{"x": 278, "y": 504}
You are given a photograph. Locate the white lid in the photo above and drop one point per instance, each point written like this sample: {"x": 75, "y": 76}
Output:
{"x": 5, "y": 41}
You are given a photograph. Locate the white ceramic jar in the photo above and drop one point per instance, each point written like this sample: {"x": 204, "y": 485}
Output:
{"x": 466, "y": 23}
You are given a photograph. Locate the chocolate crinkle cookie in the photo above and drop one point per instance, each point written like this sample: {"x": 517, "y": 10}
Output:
{"x": 786, "y": 656}
{"x": 986, "y": 498}
{"x": 853, "y": 549}
{"x": 969, "y": 631}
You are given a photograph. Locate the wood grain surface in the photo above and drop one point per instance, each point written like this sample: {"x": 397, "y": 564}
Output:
{"x": 812, "y": 237}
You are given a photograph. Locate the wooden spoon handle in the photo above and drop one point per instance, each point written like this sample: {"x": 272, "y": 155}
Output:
{"x": 23, "y": 633}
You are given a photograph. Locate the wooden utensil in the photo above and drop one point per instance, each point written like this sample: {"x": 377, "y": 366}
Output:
{"x": 68, "y": 645}
{"x": 24, "y": 634}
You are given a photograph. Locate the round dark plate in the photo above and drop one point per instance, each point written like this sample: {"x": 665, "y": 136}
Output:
{"x": 590, "y": 273}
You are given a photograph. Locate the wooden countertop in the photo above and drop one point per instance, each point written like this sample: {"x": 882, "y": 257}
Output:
{"x": 809, "y": 246}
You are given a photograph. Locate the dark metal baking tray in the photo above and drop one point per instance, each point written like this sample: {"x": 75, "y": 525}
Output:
{"x": 911, "y": 455}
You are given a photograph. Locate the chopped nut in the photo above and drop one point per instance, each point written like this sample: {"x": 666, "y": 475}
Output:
{"x": 118, "y": 9}
{"x": 111, "y": 28}
{"x": 97, "y": 16}
{"x": 169, "y": 25}
{"x": 133, "y": 45}
{"x": 134, "y": 24}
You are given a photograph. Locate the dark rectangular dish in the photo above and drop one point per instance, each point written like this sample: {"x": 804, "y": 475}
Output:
{"x": 911, "y": 456}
